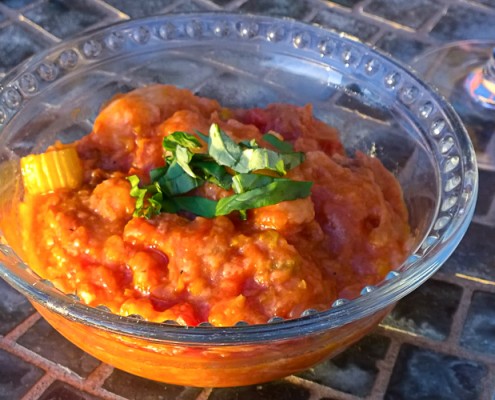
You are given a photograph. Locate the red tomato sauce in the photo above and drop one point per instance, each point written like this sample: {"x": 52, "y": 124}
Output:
{"x": 280, "y": 261}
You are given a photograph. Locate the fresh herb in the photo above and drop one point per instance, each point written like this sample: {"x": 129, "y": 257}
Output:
{"x": 279, "y": 144}
{"x": 255, "y": 175}
{"x": 154, "y": 198}
{"x": 273, "y": 193}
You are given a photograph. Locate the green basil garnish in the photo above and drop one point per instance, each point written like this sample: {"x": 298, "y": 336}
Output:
{"x": 275, "y": 192}
{"x": 280, "y": 145}
{"x": 241, "y": 167}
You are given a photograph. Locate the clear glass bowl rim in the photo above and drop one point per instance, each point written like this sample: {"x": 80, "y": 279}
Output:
{"x": 383, "y": 295}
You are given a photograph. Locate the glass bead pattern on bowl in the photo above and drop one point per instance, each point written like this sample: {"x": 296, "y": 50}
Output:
{"x": 458, "y": 176}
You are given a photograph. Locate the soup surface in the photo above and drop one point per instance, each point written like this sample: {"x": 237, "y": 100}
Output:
{"x": 273, "y": 260}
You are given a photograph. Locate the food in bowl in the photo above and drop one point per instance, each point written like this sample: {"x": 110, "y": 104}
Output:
{"x": 175, "y": 208}
{"x": 378, "y": 107}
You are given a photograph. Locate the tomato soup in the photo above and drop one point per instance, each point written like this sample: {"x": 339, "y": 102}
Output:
{"x": 275, "y": 260}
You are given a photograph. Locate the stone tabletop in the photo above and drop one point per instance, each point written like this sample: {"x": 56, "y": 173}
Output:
{"x": 438, "y": 342}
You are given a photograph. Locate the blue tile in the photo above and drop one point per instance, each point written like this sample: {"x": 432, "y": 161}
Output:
{"x": 135, "y": 388}
{"x": 64, "y": 19}
{"x": 282, "y": 8}
{"x": 16, "y": 376}
{"x": 428, "y": 311}
{"x": 355, "y": 370}
{"x": 486, "y": 193}
{"x": 462, "y": 22}
{"x": 16, "y": 4}
{"x": 47, "y": 342}
{"x": 400, "y": 47}
{"x": 479, "y": 328}
{"x": 487, "y": 3}
{"x": 137, "y": 9}
{"x": 345, "y": 3}
{"x": 411, "y": 13}
{"x": 16, "y": 44}
{"x": 14, "y": 308}
{"x": 278, "y": 390}
{"x": 474, "y": 255}
{"x": 346, "y": 23}
{"x": 61, "y": 391}
{"x": 188, "y": 7}
{"x": 421, "y": 374}
{"x": 221, "y": 2}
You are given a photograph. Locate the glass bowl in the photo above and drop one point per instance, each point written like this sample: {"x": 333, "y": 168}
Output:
{"x": 379, "y": 107}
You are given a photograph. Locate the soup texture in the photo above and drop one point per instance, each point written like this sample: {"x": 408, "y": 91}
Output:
{"x": 89, "y": 238}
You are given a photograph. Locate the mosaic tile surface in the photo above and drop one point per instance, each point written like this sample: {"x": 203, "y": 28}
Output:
{"x": 346, "y": 23}
{"x": 14, "y": 308}
{"x": 437, "y": 343}
{"x": 61, "y": 391}
{"x": 461, "y": 23}
{"x": 426, "y": 374}
{"x": 355, "y": 370}
{"x": 63, "y": 19}
{"x": 478, "y": 333}
{"x": 413, "y": 313}
{"x": 16, "y": 376}
{"x": 412, "y": 13}
{"x": 46, "y": 341}
{"x": 274, "y": 391}
{"x": 136, "y": 388}
{"x": 17, "y": 44}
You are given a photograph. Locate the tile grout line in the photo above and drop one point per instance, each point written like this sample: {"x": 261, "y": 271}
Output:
{"x": 205, "y": 394}
{"x": 99, "y": 375}
{"x": 103, "y": 5}
{"x": 488, "y": 388}
{"x": 318, "y": 391}
{"x": 170, "y": 7}
{"x": 474, "y": 284}
{"x": 474, "y": 5}
{"x": 459, "y": 318}
{"x": 22, "y": 328}
{"x": 385, "y": 369}
{"x": 209, "y": 5}
{"x": 17, "y": 17}
{"x": 56, "y": 372}
{"x": 234, "y": 5}
{"x": 428, "y": 26}
{"x": 39, "y": 387}
{"x": 436, "y": 345}
{"x": 382, "y": 24}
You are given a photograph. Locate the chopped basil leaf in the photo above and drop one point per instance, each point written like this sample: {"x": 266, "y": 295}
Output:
{"x": 183, "y": 156}
{"x": 169, "y": 206}
{"x": 197, "y": 205}
{"x": 222, "y": 148}
{"x": 210, "y": 171}
{"x": 280, "y": 145}
{"x": 177, "y": 181}
{"x": 242, "y": 160}
{"x": 292, "y": 160}
{"x": 202, "y": 136}
{"x": 157, "y": 173}
{"x": 249, "y": 144}
{"x": 179, "y": 138}
{"x": 187, "y": 170}
{"x": 256, "y": 159}
{"x": 137, "y": 193}
{"x": 244, "y": 182}
{"x": 273, "y": 193}
{"x": 154, "y": 202}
